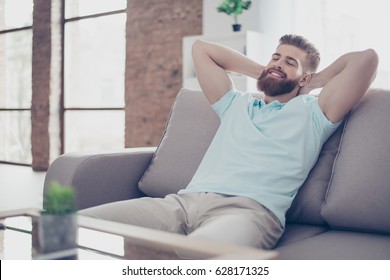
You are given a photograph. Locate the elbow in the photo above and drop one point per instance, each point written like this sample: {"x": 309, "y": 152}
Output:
{"x": 197, "y": 43}
{"x": 371, "y": 58}
{"x": 368, "y": 61}
{"x": 197, "y": 46}
{"x": 371, "y": 53}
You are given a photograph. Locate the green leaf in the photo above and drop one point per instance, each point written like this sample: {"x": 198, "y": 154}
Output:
{"x": 234, "y": 7}
{"x": 59, "y": 200}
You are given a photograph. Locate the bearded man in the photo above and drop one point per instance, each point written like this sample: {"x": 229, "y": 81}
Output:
{"x": 263, "y": 149}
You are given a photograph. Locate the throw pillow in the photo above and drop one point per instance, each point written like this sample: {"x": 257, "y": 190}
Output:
{"x": 190, "y": 129}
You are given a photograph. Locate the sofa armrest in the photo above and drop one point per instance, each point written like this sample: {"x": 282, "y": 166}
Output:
{"x": 102, "y": 177}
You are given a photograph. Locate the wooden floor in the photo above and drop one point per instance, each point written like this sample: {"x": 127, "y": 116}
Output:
{"x": 20, "y": 187}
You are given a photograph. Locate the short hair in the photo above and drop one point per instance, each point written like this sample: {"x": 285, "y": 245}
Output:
{"x": 302, "y": 43}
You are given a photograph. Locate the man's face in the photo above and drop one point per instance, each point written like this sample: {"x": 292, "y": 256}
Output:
{"x": 284, "y": 72}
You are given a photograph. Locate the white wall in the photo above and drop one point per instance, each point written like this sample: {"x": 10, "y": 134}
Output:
{"x": 272, "y": 18}
{"x": 215, "y": 23}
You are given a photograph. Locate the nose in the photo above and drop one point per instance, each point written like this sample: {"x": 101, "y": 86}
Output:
{"x": 277, "y": 65}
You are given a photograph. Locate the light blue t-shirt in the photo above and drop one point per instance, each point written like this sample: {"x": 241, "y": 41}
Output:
{"x": 262, "y": 151}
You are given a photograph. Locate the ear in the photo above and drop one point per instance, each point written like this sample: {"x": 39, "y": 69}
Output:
{"x": 305, "y": 79}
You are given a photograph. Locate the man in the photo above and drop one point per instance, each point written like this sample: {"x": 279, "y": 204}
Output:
{"x": 263, "y": 149}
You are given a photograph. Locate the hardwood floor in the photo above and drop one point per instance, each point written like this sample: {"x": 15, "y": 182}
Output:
{"x": 20, "y": 187}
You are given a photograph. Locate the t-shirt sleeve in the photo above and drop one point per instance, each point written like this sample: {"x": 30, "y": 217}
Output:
{"x": 321, "y": 122}
{"x": 225, "y": 102}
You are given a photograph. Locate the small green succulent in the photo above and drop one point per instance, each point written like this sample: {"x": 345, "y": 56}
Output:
{"x": 59, "y": 200}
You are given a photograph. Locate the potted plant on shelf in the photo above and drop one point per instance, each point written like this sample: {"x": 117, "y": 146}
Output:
{"x": 234, "y": 8}
{"x": 57, "y": 225}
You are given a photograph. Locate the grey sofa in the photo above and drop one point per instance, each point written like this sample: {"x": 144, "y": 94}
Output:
{"x": 341, "y": 212}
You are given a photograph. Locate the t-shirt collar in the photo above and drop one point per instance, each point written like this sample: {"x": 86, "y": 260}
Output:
{"x": 261, "y": 103}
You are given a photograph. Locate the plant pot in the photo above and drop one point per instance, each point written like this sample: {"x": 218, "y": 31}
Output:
{"x": 236, "y": 27}
{"x": 57, "y": 233}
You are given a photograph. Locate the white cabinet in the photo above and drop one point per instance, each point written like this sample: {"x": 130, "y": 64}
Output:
{"x": 248, "y": 43}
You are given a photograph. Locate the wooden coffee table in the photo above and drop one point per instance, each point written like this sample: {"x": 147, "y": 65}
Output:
{"x": 100, "y": 239}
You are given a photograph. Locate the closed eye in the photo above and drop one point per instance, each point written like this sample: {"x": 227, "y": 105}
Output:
{"x": 275, "y": 57}
{"x": 291, "y": 61}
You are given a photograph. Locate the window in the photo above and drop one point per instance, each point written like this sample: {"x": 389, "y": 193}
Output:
{"x": 94, "y": 72}
{"x": 15, "y": 80}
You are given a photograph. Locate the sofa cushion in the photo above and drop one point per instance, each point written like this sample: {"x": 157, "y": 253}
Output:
{"x": 190, "y": 128}
{"x": 338, "y": 245}
{"x": 297, "y": 232}
{"x": 358, "y": 197}
{"x": 306, "y": 207}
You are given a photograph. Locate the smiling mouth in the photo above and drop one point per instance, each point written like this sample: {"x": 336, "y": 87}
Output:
{"x": 276, "y": 74}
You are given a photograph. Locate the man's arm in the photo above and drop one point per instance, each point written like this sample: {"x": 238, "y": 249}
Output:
{"x": 344, "y": 82}
{"x": 213, "y": 61}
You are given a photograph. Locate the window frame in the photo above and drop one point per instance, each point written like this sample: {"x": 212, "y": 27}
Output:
{"x": 63, "y": 108}
{"x": 16, "y": 109}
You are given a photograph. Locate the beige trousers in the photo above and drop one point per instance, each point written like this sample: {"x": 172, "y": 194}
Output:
{"x": 231, "y": 219}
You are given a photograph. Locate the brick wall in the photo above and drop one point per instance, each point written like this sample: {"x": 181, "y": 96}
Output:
{"x": 154, "y": 32}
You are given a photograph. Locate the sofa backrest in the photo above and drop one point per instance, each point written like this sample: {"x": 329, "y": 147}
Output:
{"x": 358, "y": 196}
{"x": 192, "y": 125}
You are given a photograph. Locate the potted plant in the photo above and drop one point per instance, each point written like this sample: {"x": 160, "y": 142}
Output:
{"x": 57, "y": 225}
{"x": 234, "y": 8}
